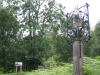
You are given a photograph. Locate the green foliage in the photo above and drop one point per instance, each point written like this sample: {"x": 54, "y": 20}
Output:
{"x": 23, "y": 73}
{"x": 97, "y": 58}
{"x": 63, "y": 50}
{"x": 96, "y": 38}
{"x": 9, "y": 27}
{"x": 61, "y": 70}
{"x": 91, "y": 49}
{"x": 44, "y": 24}
{"x": 91, "y": 67}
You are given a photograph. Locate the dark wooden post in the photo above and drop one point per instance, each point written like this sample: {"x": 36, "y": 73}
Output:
{"x": 78, "y": 58}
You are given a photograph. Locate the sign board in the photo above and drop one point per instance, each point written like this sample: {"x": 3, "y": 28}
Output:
{"x": 18, "y": 63}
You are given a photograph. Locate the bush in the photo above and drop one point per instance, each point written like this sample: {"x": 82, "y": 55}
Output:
{"x": 91, "y": 66}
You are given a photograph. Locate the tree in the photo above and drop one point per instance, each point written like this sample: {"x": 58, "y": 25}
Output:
{"x": 63, "y": 49}
{"x": 96, "y": 37}
{"x": 45, "y": 25}
{"x": 9, "y": 28}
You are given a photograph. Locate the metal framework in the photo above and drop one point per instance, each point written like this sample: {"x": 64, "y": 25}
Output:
{"x": 78, "y": 24}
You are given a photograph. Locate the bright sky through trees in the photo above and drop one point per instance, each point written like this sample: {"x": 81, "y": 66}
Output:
{"x": 93, "y": 8}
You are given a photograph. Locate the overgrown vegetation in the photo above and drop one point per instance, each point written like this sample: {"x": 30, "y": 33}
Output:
{"x": 34, "y": 32}
{"x": 91, "y": 67}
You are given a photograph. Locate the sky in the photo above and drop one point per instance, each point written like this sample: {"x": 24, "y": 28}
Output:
{"x": 94, "y": 9}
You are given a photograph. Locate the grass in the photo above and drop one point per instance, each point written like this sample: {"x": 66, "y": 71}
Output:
{"x": 91, "y": 67}
{"x": 60, "y": 70}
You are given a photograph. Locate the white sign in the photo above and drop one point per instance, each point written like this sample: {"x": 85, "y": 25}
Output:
{"x": 18, "y": 63}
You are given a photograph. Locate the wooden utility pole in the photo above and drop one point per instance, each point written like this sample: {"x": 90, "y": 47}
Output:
{"x": 78, "y": 58}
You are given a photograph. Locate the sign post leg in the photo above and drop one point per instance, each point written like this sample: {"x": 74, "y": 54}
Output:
{"x": 20, "y": 68}
{"x": 16, "y": 69}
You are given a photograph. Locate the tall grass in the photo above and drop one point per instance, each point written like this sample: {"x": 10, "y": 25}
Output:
{"x": 91, "y": 67}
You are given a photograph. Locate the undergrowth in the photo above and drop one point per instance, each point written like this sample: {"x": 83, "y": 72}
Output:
{"x": 91, "y": 67}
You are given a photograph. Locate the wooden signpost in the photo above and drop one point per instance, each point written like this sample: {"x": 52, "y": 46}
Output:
{"x": 18, "y": 64}
{"x": 78, "y": 30}
{"x": 78, "y": 58}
